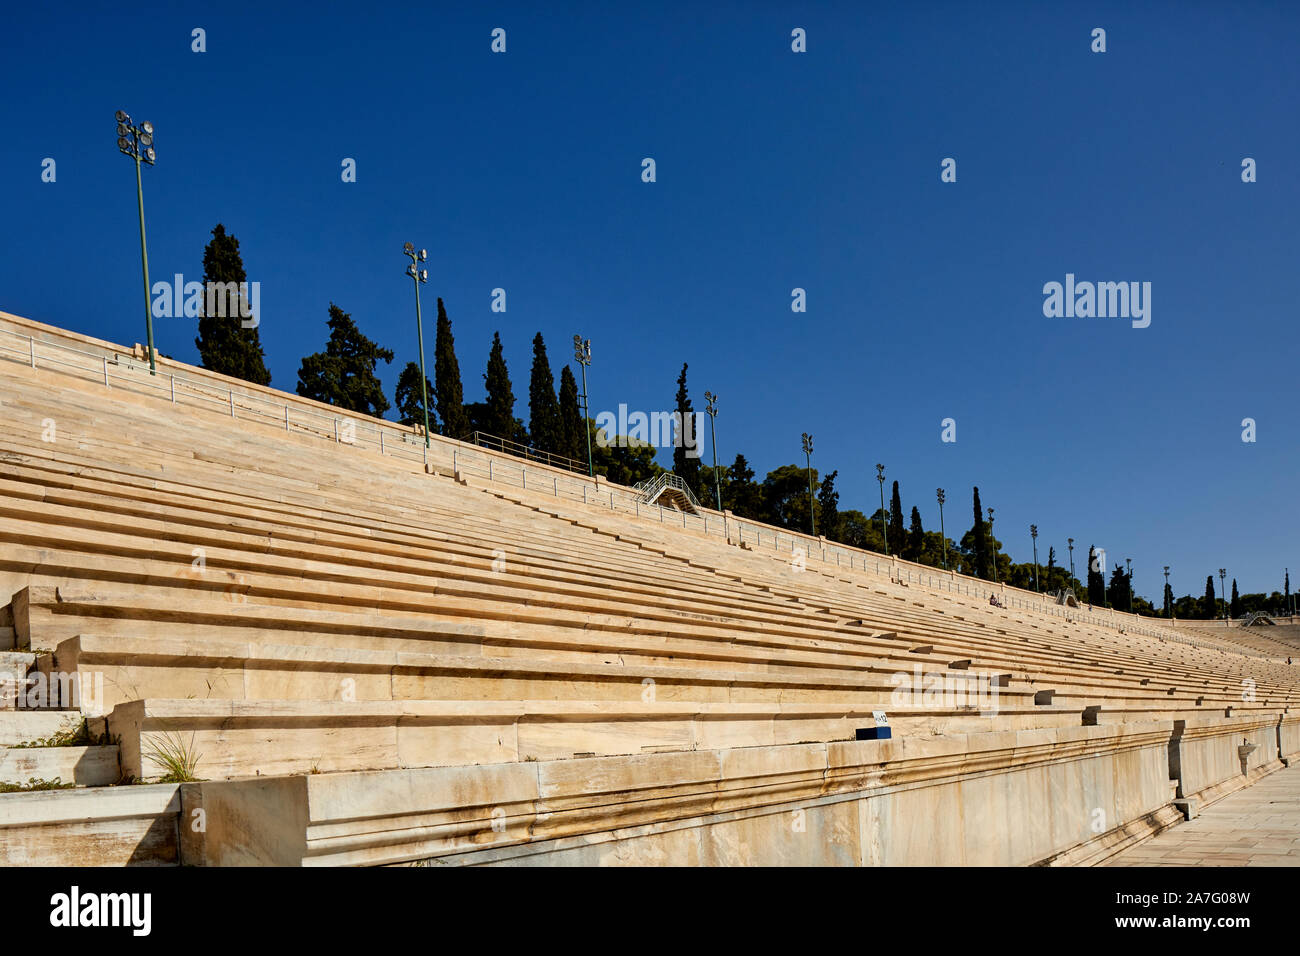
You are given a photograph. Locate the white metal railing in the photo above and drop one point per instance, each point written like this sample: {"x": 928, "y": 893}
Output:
{"x": 393, "y": 440}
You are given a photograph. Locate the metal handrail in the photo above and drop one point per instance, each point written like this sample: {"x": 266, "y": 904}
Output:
{"x": 528, "y": 452}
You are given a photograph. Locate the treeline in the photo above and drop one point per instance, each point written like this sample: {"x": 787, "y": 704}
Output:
{"x": 344, "y": 374}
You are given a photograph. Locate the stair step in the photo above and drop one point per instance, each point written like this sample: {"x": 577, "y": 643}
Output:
{"x": 83, "y": 766}
{"x": 22, "y": 726}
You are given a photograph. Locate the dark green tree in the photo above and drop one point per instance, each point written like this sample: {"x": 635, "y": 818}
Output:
{"x": 409, "y": 399}
{"x": 543, "y": 409}
{"x": 1167, "y": 606}
{"x": 499, "y": 410}
{"x": 1118, "y": 592}
{"x": 897, "y": 533}
{"x": 785, "y": 496}
{"x": 1234, "y": 608}
{"x": 1096, "y": 579}
{"x": 860, "y": 531}
{"x": 446, "y": 378}
{"x": 742, "y": 495}
{"x": 686, "y": 462}
{"x": 828, "y": 506}
{"x": 572, "y": 434}
{"x": 981, "y": 558}
{"x": 914, "y": 549}
{"x": 344, "y": 374}
{"x": 622, "y": 459}
{"x": 224, "y": 344}
{"x": 1209, "y": 610}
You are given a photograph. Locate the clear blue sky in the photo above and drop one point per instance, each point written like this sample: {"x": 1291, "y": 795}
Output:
{"x": 775, "y": 170}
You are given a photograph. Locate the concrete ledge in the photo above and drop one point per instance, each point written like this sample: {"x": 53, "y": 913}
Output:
{"x": 109, "y": 826}
{"x": 1011, "y": 798}
{"x": 242, "y": 737}
{"x": 83, "y": 766}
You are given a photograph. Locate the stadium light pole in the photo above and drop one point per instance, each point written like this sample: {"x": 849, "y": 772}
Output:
{"x": 582, "y": 353}
{"x": 418, "y": 276}
{"x": 1222, "y": 572}
{"x": 711, "y": 406}
{"x": 137, "y": 142}
{"x": 807, "y": 451}
{"x": 1033, "y": 533}
{"x": 1070, "y": 543}
{"x": 1128, "y": 563}
{"x": 1167, "y": 608}
{"x": 994, "y": 542}
{"x": 884, "y": 531}
{"x": 943, "y": 540}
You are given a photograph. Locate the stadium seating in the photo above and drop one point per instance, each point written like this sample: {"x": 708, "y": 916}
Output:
{"x": 349, "y": 625}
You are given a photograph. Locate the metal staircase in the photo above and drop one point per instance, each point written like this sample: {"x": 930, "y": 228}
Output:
{"x": 667, "y": 490}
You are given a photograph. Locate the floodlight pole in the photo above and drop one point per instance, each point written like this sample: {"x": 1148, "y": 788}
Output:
{"x": 807, "y": 450}
{"x": 417, "y": 276}
{"x": 1128, "y": 564}
{"x": 144, "y": 259}
{"x": 884, "y": 529}
{"x": 711, "y": 406}
{"x": 1070, "y": 543}
{"x": 943, "y": 540}
{"x": 1167, "y": 609}
{"x": 994, "y": 545}
{"x": 1033, "y": 533}
{"x": 582, "y": 353}
{"x": 133, "y": 149}
{"x": 1222, "y": 597}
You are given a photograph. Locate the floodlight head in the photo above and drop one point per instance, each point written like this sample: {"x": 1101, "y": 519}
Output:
{"x": 424, "y": 254}
{"x": 424, "y": 275}
{"x": 150, "y": 155}
{"x": 146, "y": 140}
{"x": 122, "y": 129}
{"x": 147, "y": 127}
{"x": 408, "y": 247}
{"x": 124, "y": 144}
{"x": 122, "y": 117}
{"x": 410, "y": 270}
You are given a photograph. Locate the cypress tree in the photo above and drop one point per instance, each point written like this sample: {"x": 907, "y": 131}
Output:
{"x": 685, "y": 466}
{"x": 828, "y": 501}
{"x": 1234, "y": 608}
{"x": 897, "y": 534}
{"x": 544, "y": 410}
{"x": 573, "y": 438}
{"x": 915, "y": 538}
{"x": 1208, "y": 610}
{"x": 1169, "y": 601}
{"x": 1096, "y": 580}
{"x": 344, "y": 374}
{"x": 224, "y": 344}
{"x": 446, "y": 377}
{"x": 499, "y": 414}
{"x": 980, "y": 542}
{"x": 409, "y": 399}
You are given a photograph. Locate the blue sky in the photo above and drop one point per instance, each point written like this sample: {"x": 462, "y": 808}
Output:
{"x": 775, "y": 170}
